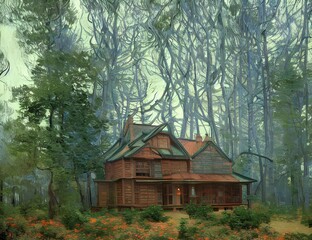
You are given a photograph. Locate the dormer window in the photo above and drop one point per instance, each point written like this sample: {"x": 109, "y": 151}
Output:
{"x": 143, "y": 169}
{"x": 161, "y": 141}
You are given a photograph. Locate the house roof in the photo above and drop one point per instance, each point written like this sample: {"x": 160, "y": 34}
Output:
{"x": 243, "y": 179}
{"x": 191, "y": 146}
{"x": 201, "y": 177}
{"x": 141, "y": 134}
{"x": 194, "y": 148}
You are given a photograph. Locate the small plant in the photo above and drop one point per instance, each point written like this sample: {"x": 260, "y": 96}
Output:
{"x": 71, "y": 217}
{"x": 154, "y": 213}
{"x": 297, "y": 236}
{"x": 52, "y": 230}
{"x": 199, "y": 211}
{"x": 307, "y": 220}
{"x": 16, "y": 225}
{"x": 186, "y": 232}
{"x": 128, "y": 216}
{"x": 242, "y": 218}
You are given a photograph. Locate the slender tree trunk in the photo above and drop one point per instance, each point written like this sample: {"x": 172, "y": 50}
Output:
{"x": 1, "y": 190}
{"x": 53, "y": 203}
{"x": 306, "y": 173}
{"x": 81, "y": 195}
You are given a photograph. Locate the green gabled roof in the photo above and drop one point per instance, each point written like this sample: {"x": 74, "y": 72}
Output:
{"x": 211, "y": 143}
{"x": 243, "y": 178}
{"x": 154, "y": 132}
{"x": 119, "y": 149}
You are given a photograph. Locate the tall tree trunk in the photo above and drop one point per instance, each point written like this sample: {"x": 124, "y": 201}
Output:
{"x": 306, "y": 173}
{"x": 53, "y": 203}
{"x": 1, "y": 190}
{"x": 81, "y": 195}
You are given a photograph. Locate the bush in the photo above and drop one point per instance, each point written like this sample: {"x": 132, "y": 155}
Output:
{"x": 307, "y": 219}
{"x": 154, "y": 214}
{"x": 242, "y": 218}
{"x": 128, "y": 216}
{"x": 297, "y": 236}
{"x": 16, "y": 225}
{"x": 51, "y": 229}
{"x": 199, "y": 211}
{"x": 71, "y": 217}
{"x": 27, "y": 209}
{"x": 186, "y": 232}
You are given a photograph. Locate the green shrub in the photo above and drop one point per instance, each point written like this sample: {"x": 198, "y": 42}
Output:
{"x": 154, "y": 213}
{"x": 27, "y": 208}
{"x": 186, "y": 232}
{"x": 3, "y": 228}
{"x": 7, "y": 210}
{"x": 242, "y": 218}
{"x": 199, "y": 211}
{"x": 70, "y": 217}
{"x": 52, "y": 230}
{"x": 16, "y": 225}
{"x": 129, "y": 216}
{"x": 297, "y": 236}
{"x": 156, "y": 237}
{"x": 307, "y": 219}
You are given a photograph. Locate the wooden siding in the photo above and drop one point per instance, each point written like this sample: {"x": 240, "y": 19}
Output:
{"x": 128, "y": 191}
{"x": 147, "y": 194}
{"x": 103, "y": 194}
{"x": 128, "y": 169}
{"x": 119, "y": 193}
{"x": 160, "y": 141}
{"x": 146, "y": 153}
{"x": 114, "y": 170}
{"x": 172, "y": 166}
{"x": 211, "y": 162}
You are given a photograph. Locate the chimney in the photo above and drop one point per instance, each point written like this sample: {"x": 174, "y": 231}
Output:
{"x": 207, "y": 138}
{"x": 129, "y": 126}
{"x": 198, "y": 138}
{"x": 199, "y": 141}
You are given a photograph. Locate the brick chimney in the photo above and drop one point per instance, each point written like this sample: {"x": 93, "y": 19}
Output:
{"x": 198, "y": 138}
{"x": 129, "y": 127}
{"x": 199, "y": 141}
{"x": 207, "y": 138}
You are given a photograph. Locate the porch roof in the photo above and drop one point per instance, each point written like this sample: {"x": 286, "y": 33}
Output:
{"x": 201, "y": 177}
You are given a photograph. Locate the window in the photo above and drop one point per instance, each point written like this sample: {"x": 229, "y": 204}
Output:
{"x": 143, "y": 168}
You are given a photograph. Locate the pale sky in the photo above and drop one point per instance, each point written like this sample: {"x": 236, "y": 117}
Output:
{"x": 18, "y": 73}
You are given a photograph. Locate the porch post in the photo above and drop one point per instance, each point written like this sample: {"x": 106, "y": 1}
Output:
{"x": 248, "y": 194}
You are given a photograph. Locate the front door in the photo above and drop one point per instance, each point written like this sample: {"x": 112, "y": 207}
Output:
{"x": 172, "y": 194}
{"x": 178, "y": 195}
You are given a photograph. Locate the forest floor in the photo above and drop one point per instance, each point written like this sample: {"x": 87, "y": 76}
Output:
{"x": 280, "y": 225}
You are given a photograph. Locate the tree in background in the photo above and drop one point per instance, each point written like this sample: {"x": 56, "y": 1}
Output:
{"x": 55, "y": 109}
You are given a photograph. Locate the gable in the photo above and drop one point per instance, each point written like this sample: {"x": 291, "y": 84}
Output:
{"x": 162, "y": 145}
{"x": 152, "y": 142}
{"x": 211, "y": 160}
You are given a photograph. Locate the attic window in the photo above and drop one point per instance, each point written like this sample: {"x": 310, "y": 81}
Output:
{"x": 143, "y": 168}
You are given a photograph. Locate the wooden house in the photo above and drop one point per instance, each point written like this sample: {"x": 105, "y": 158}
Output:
{"x": 150, "y": 166}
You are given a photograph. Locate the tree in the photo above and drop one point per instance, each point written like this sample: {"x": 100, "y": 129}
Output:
{"x": 57, "y": 111}
{"x": 288, "y": 109}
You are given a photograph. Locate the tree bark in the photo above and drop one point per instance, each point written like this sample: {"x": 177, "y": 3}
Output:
{"x": 53, "y": 203}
